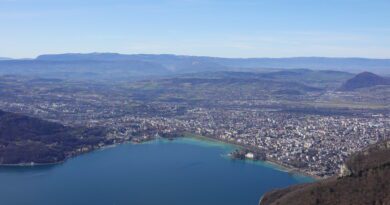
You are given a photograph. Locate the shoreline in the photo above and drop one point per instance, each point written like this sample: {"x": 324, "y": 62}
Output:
{"x": 275, "y": 163}
{"x": 278, "y": 165}
{"x": 292, "y": 170}
{"x": 34, "y": 164}
{"x": 30, "y": 164}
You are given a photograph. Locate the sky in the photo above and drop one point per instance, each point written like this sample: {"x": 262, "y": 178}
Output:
{"x": 224, "y": 28}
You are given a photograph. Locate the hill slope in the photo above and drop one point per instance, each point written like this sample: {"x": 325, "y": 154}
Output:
{"x": 25, "y": 140}
{"x": 365, "y": 179}
{"x": 364, "y": 80}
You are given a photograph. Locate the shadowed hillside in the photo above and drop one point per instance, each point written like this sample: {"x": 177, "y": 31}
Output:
{"x": 364, "y": 179}
{"x": 25, "y": 140}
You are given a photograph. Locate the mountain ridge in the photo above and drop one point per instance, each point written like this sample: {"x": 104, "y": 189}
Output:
{"x": 120, "y": 66}
{"x": 343, "y": 64}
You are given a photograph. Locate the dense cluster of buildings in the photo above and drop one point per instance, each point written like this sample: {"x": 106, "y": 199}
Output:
{"x": 316, "y": 144}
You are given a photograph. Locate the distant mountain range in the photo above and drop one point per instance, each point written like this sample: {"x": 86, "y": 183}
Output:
{"x": 365, "y": 179}
{"x": 195, "y": 63}
{"x": 89, "y": 69}
{"x": 364, "y": 80}
{"x": 113, "y": 65}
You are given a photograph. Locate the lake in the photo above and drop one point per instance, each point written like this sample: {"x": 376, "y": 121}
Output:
{"x": 185, "y": 171}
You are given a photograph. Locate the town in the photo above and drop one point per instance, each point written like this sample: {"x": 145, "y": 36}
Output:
{"x": 312, "y": 141}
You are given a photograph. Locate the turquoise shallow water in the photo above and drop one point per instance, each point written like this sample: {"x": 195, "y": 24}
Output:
{"x": 184, "y": 172}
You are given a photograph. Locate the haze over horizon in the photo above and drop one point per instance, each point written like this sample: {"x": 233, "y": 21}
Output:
{"x": 244, "y": 29}
{"x": 189, "y": 55}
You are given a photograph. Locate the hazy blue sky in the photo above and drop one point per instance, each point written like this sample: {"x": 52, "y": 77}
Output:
{"x": 230, "y": 28}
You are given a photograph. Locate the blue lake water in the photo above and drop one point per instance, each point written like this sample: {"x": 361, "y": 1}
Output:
{"x": 181, "y": 172}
